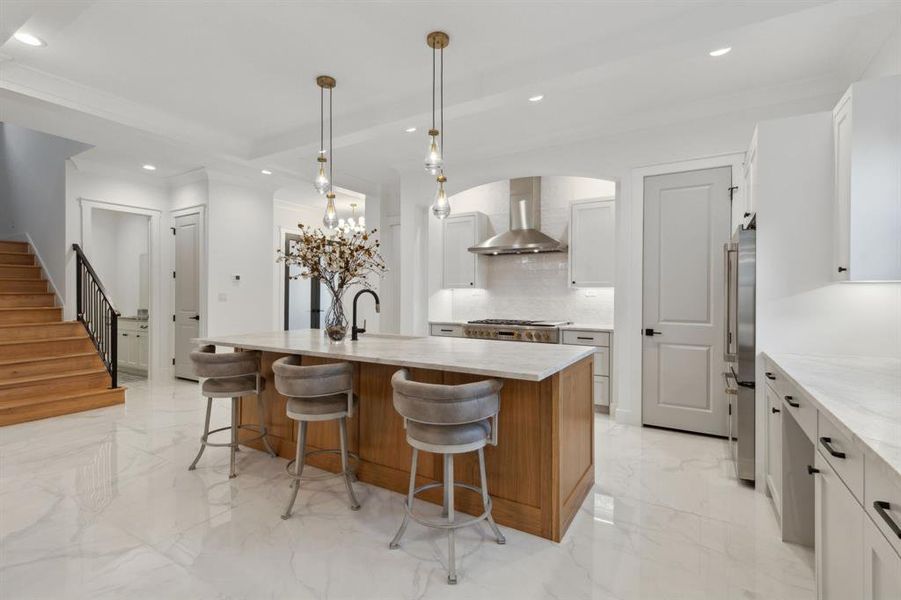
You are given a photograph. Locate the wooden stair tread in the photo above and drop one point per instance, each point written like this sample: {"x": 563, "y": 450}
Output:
{"x": 51, "y": 339}
{"x": 111, "y": 395}
{"x": 20, "y": 361}
{"x": 12, "y": 308}
{"x": 26, "y": 293}
{"x": 38, "y": 379}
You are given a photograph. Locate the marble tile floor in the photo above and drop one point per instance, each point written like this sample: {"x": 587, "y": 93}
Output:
{"x": 101, "y": 505}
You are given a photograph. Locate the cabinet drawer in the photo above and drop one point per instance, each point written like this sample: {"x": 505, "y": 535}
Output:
{"x": 601, "y": 391}
{"x": 883, "y": 485}
{"x": 845, "y": 457}
{"x": 802, "y": 410}
{"x": 447, "y": 330}
{"x": 602, "y": 362}
{"x": 587, "y": 338}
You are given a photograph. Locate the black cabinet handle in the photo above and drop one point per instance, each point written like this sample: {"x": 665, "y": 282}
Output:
{"x": 842, "y": 269}
{"x": 770, "y": 376}
{"x": 882, "y": 508}
{"x": 827, "y": 444}
{"x": 651, "y": 332}
{"x": 447, "y": 331}
{"x": 582, "y": 337}
{"x": 792, "y": 404}
{"x": 776, "y": 410}
{"x": 811, "y": 470}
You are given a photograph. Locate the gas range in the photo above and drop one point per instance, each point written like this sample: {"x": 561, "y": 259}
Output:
{"x": 514, "y": 330}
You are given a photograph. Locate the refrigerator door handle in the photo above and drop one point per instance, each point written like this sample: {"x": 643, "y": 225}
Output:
{"x": 730, "y": 338}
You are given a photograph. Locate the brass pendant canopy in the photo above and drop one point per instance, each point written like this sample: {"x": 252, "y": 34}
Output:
{"x": 437, "y": 40}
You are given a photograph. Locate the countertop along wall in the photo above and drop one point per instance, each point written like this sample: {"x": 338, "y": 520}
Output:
{"x": 525, "y": 286}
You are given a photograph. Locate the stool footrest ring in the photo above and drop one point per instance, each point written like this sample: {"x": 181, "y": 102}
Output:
{"x": 249, "y": 427}
{"x": 444, "y": 524}
{"x": 353, "y": 461}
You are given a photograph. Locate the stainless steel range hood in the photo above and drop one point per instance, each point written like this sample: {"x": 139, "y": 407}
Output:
{"x": 524, "y": 235}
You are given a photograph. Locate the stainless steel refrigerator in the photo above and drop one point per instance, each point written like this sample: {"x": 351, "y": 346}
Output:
{"x": 741, "y": 289}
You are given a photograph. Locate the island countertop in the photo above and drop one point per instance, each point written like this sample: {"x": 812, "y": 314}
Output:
{"x": 529, "y": 362}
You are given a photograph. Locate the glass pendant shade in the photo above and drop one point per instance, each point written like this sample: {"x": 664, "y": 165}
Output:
{"x": 330, "y": 219}
{"x": 433, "y": 159}
{"x": 321, "y": 182}
{"x": 441, "y": 207}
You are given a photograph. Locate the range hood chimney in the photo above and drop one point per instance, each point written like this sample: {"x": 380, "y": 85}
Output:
{"x": 524, "y": 235}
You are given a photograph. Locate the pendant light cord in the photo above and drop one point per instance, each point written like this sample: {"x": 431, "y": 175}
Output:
{"x": 331, "y": 162}
{"x": 321, "y": 120}
{"x": 443, "y": 139}
{"x": 433, "y": 88}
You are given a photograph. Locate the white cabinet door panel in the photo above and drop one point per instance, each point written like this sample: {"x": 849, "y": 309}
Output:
{"x": 839, "y": 536}
{"x": 592, "y": 243}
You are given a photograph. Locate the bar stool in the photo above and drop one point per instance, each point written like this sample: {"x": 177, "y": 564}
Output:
{"x": 317, "y": 393}
{"x": 229, "y": 375}
{"x": 448, "y": 420}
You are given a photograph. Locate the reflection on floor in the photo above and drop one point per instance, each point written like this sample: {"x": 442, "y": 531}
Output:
{"x": 127, "y": 379}
{"x": 101, "y": 505}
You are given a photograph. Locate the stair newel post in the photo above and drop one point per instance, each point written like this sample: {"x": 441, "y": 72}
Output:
{"x": 114, "y": 346}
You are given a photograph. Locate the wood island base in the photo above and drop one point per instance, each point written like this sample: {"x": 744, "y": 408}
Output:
{"x": 538, "y": 474}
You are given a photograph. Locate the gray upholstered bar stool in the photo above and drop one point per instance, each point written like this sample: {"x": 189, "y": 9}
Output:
{"x": 317, "y": 393}
{"x": 229, "y": 375}
{"x": 448, "y": 420}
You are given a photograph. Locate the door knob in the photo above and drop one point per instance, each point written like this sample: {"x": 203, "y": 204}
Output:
{"x": 650, "y": 332}
{"x": 195, "y": 318}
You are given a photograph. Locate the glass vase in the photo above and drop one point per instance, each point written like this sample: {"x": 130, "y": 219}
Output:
{"x": 335, "y": 321}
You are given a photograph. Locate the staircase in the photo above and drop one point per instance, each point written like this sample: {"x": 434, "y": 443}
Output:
{"x": 48, "y": 366}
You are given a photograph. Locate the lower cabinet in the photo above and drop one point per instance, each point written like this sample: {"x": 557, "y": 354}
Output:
{"x": 838, "y": 529}
{"x": 774, "y": 447}
{"x": 881, "y": 565}
{"x": 603, "y": 342}
{"x": 134, "y": 346}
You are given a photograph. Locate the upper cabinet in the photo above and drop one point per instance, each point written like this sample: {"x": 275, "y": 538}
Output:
{"x": 460, "y": 266}
{"x": 742, "y": 211}
{"x": 867, "y": 135}
{"x": 592, "y": 228}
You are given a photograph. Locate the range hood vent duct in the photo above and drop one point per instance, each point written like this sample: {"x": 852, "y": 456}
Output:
{"x": 524, "y": 235}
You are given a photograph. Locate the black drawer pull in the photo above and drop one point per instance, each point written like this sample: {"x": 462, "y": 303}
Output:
{"x": 792, "y": 404}
{"x": 776, "y": 410}
{"x": 582, "y": 337}
{"x": 882, "y": 508}
{"x": 812, "y": 470}
{"x": 770, "y": 376}
{"x": 827, "y": 444}
{"x": 447, "y": 330}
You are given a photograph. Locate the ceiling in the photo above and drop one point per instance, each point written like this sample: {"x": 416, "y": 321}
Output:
{"x": 231, "y": 84}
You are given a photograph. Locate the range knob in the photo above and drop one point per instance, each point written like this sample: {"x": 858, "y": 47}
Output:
{"x": 529, "y": 335}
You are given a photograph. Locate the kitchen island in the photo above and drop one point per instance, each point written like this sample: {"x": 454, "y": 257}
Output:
{"x": 538, "y": 474}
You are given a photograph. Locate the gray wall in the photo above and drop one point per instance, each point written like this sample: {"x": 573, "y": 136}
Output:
{"x": 33, "y": 194}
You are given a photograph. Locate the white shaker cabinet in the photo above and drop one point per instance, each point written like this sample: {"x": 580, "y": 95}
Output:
{"x": 881, "y": 566}
{"x": 460, "y": 267}
{"x": 592, "y": 244}
{"x": 774, "y": 447}
{"x": 867, "y": 146}
{"x": 838, "y": 531}
{"x": 133, "y": 345}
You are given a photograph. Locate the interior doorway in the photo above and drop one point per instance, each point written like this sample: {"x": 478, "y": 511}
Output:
{"x": 303, "y": 297}
{"x": 687, "y": 218}
{"x": 186, "y": 232}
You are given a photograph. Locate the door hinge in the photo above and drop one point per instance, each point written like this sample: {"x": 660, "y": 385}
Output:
{"x": 732, "y": 191}
{"x": 173, "y": 361}
{"x": 173, "y": 230}
{"x": 173, "y": 318}
{"x": 730, "y": 409}
{"x": 173, "y": 274}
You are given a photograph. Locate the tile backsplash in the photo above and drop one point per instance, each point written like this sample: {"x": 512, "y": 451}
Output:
{"x": 532, "y": 286}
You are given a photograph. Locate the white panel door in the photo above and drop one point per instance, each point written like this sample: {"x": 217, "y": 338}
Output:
{"x": 841, "y": 130}
{"x": 592, "y": 243}
{"x": 686, "y": 223}
{"x": 187, "y": 291}
{"x": 838, "y": 536}
{"x": 881, "y": 566}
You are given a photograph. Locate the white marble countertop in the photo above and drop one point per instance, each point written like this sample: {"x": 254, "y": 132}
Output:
{"x": 862, "y": 394}
{"x": 531, "y": 362}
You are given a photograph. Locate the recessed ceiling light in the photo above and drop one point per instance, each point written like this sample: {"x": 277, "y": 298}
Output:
{"x": 410, "y": 129}
{"x": 720, "y": 51}
{"x": 149, "y": 168}
{"x": 536, "y": 98}
{"x": 29, "y": 39}
{"x": 266, "y": 172}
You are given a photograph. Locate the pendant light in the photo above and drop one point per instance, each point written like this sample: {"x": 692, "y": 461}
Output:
{"x": 434, "y": 160}
{"x": 323, "y": 182}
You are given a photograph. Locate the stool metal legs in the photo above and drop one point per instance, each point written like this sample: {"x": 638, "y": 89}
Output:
{"x": 342, "y": 427}
{"x": 299, "y": 457}
{"x": 206, "y": 432}
{"x": 449, "y": 521}
{"x": 233, "y": 444}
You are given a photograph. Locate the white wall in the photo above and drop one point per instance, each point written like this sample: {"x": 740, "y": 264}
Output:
{"x": 33, "y": 192}
{"x": 523, "y": 286}
{"x": 119, "y": 254}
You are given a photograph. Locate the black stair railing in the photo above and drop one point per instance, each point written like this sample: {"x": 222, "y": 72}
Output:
{"x": 96, "y": 312}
